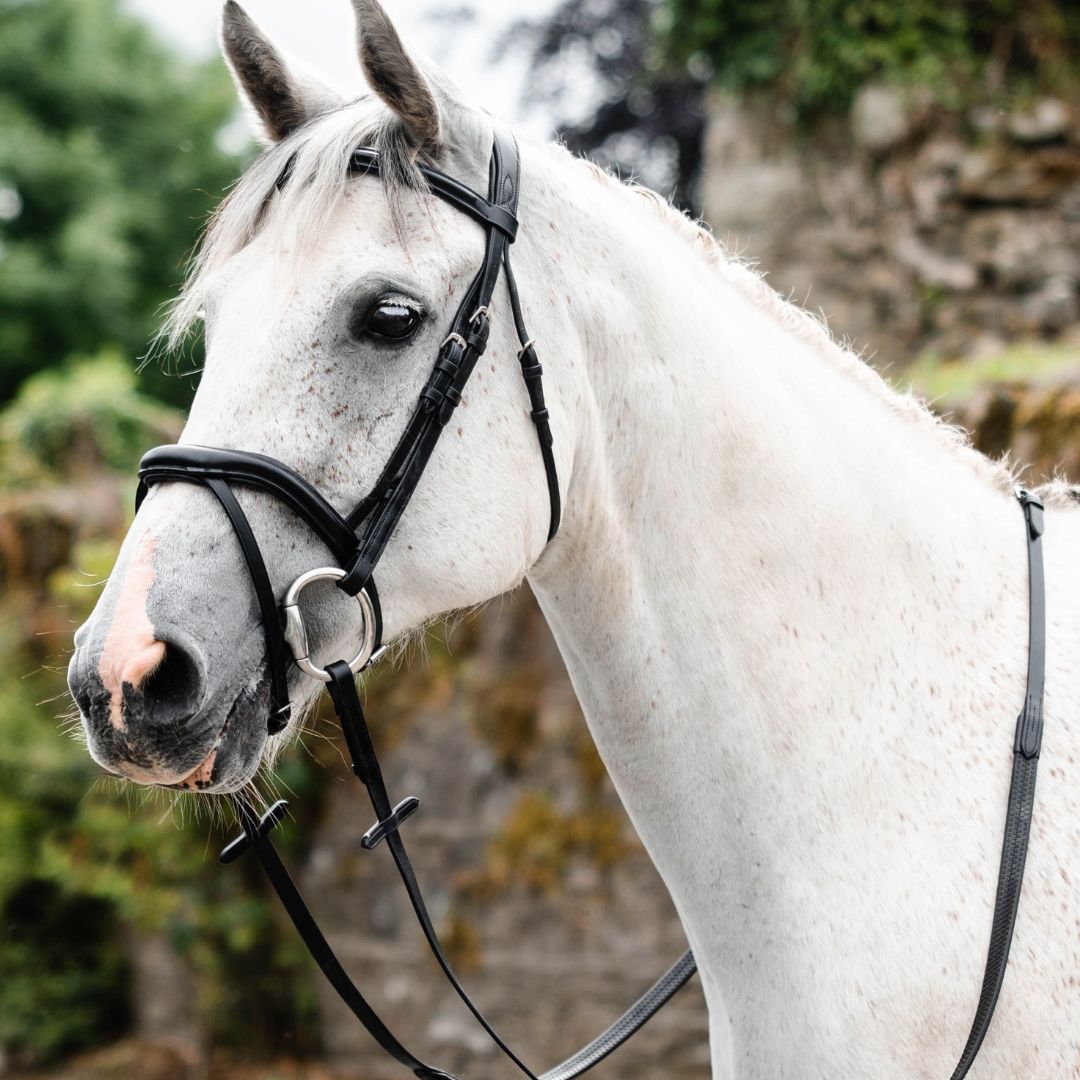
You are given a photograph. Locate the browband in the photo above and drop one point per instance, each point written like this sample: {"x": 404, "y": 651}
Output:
{"x": 471, "y": 203}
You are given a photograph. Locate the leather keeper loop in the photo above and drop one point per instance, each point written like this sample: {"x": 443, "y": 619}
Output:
{"x": 433, "y": 396}
{"x": 447, "y": 365}
{"x": 478, "y": 331}
{"x": 543, "y": 428}
{"x": 357, "y": 576}
{"x": 451, "y": 354}
{"x": 451, "y": 400}
{"x": 477, "y": 341}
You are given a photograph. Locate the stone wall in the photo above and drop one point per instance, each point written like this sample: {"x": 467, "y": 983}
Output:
{"x": 1035, "y": 423}
{"x": 910, "y": 226}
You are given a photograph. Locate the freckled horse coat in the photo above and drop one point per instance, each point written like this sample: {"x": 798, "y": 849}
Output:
{"x": 793, "y": 605}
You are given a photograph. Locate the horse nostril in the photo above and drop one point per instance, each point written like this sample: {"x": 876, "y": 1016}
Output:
{"x": 143, "y": 663}
{"x": 172, "y": 684}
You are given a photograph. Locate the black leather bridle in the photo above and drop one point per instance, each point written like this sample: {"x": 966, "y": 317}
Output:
{"x": 358, "y": 540}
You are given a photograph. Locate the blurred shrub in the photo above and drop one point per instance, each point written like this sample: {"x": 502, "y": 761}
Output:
{"x": 815, "y": 56}
{"x": 110, "y": 157}
{"x": 84, "y": 415}
{"x": 60, "y": 990}
{"x": 89, "y": 864}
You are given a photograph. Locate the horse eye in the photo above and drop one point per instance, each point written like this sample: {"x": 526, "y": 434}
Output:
{"x": 392, "y": 321}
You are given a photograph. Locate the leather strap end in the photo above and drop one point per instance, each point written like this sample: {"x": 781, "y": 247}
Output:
{"x": 235, "y": 848}
{"x": 1029, "y": 728}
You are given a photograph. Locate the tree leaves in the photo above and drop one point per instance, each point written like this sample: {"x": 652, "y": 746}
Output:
{"x": 112, "y": 144}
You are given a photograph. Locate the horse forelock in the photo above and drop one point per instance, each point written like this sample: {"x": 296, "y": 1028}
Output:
{"x": 307, "y": 173}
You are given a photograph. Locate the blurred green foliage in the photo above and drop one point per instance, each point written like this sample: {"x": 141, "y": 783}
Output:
{"x": 86, "y": 864}
{"x": 813, "y": 55}
{"x": 935, "y": 377}
{"x": 86, "y": 414}
{"x": 60, "y": 991}
{"x": 111, "y": 155}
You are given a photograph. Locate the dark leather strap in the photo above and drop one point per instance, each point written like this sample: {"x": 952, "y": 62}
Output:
{"x": 277, "y": 650}
{"x": 532, "y": 373}
{"x": 199, "y": 463}
{"x": 389, "y": 818}
{"x": 1026, "y": 751}
{"x": 631, "y": 1021}
{"x": 466, "y": 342}
{"x": 342, "y": 689}
{"x": 487, "y": 212}
{"x": 216, "y": 469}
{"x": 257, "y": 837}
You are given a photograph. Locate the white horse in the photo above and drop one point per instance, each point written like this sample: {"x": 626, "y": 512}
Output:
{"x": 793, "y": 604}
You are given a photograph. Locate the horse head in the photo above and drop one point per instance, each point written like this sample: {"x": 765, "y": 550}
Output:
{"x": 324, "y": 298}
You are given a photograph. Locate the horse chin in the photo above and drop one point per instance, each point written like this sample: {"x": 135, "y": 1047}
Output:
{"x": 238, "y": 750}
{"x": 230, "y": 757}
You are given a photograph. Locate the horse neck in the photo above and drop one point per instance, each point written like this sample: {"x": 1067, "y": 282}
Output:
{"x": 761, "y": 540}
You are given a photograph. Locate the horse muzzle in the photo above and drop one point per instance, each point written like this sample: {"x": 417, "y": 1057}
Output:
{"x": 163, "y": 726}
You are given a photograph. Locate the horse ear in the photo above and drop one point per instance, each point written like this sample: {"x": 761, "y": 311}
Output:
{"x": 395, "y": 76}
{"x": 282, "y": 98}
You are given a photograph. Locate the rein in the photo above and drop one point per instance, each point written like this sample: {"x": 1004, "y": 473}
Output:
{"x": 358, "y": 540}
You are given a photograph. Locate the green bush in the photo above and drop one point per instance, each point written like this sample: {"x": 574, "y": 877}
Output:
{"x": 63, "y": 973}
{"x": 813, "y": 55}
{"x": 84, "y": 415}
{"x": 111, "y": 156}
{"x": 88, "y": 863}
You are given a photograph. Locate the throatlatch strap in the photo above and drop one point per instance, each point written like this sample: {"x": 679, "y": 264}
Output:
{"x": 532, "y": 373}
{"x": 1028, "y": 744}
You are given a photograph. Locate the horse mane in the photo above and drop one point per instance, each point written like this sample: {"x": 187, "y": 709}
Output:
{"x": 809, "y": 327}
{"x": 307, "y": 173}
